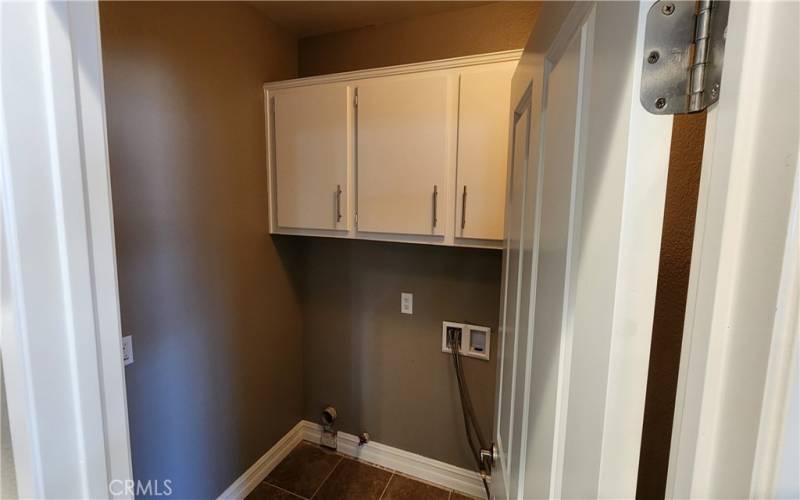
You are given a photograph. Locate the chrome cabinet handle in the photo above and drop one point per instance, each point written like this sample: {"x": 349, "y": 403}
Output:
{"x": 435, "y": 204}
{"x": 338, "y": 203}
{"x": 464, "y": 208}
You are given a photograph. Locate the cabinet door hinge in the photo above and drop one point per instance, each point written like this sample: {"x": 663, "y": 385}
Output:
{"x": 355, "y": 218}
{"x": 683, "y": 51}
{"x": 355, "y": 99}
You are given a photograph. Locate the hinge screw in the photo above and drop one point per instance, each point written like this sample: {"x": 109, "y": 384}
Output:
{"x": 667, "y": 9}
{"x": 660, "y": 103}
{"x": 653, "y": 57}
{"x": 715, "y": 91}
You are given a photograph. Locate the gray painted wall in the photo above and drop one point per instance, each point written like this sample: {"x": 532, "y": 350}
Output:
{"x": 203, "y": 289}
{"x": 384, "y": 371}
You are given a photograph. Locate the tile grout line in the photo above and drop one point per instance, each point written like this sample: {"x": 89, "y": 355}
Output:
{"x": 423, "y": 481}
{"x": 326, "y": 478}
{"x": 386, "y": 487}
{"x": 282, "y": 489}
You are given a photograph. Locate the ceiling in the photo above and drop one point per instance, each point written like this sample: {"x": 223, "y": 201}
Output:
{"x": 305, "y": 19}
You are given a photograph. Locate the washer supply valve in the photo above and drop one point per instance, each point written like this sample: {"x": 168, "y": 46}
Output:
{"x": 328, "y": 438}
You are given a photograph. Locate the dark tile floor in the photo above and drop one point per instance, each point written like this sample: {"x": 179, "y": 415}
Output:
{"x": 311, "y": 471}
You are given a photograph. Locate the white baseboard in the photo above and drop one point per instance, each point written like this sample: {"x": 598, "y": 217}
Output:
{"x": 251, "y": 478}
{"x": 427, "y": 469}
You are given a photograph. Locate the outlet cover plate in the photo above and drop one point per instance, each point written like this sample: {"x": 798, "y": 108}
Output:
{"x": 407, "y": 303}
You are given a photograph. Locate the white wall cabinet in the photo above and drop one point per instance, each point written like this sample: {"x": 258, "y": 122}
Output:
{"x": 483, "y": 120}
{"x": 311, "y": 153}
{"x": 414, "y": 153}
{"x": 403, "y": 155}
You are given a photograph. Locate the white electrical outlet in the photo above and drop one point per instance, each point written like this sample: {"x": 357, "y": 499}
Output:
{"x": 127, "y": 349}
{"x": 407, "y": 303}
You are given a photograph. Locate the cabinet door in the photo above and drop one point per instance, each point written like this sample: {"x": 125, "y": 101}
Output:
{"x": 311, "y": 151}
{"x": 483, "y": 115}
{"x": 405, "y": 133}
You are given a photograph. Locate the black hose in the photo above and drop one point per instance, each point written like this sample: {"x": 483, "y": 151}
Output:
{"x": 468, "y": 412}
{"x": 468, "y": 423}
{"x": 481, "y": 439}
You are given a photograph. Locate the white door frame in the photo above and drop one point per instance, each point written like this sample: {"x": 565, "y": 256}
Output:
{"x": 742, "y": 311}
{"x": 60, "y": 337}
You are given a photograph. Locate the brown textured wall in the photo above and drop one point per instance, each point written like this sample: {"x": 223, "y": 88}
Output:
{"x": 474, "y": 30}
{"x": 383, "y": 370}
{"x": 683, "y": 182}
{"x": 203, "y": 290}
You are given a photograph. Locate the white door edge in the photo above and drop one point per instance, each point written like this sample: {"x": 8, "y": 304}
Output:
{"x": 637, "y": 276}
{"x": 63, "y": 368}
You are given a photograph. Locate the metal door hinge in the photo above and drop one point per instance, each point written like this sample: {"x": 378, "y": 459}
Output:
{"x": 355, "y": 100}
{"x": 683, "y": 51}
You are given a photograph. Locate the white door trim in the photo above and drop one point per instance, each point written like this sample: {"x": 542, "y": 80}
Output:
{"x": 743, "y": 294}
{"x": 61, "y": 353}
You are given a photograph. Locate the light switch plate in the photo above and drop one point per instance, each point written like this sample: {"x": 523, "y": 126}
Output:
{"x": 407, "y": 303}
{"x": 127, "y": 349}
